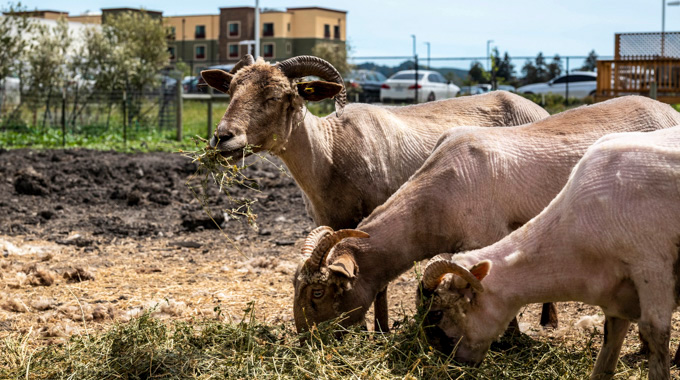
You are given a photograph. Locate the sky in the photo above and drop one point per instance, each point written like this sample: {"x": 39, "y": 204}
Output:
{"x": 454, "y": 28}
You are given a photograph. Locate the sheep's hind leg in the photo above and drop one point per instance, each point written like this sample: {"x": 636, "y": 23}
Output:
{"x": 656, "y": 310}
{"x": 549, "y": 315}
{"x": 381, "y": 312}
{"x": 615, "y": 330}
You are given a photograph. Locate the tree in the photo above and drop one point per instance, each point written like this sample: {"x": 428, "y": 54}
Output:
{"x": 590, "y": 63}
{"x": 13, "y": 43}
{"x": 506, "y": 70}
{"x": 335, "y": 55}
{"x": 554, "y": 68}
{"x": 138, "y": 52}
{"x": 477, "y": 74}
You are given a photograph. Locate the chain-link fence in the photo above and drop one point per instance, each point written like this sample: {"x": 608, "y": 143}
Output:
{"x": 80, "y": 111}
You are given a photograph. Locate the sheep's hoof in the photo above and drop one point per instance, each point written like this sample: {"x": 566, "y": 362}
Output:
{"x": 549, "y": 315}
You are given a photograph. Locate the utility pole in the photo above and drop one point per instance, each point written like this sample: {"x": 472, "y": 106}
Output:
{"x": 415, "y": 58}
{"x": 428, "y": 54}
{"x": 488, "y": 55}
{"x": 257, "y": 29}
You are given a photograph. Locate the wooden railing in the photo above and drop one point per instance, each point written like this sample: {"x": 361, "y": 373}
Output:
{"x": 659, "y": 78}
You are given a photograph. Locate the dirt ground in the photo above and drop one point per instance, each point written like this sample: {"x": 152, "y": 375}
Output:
{"x": 88, "y": 238}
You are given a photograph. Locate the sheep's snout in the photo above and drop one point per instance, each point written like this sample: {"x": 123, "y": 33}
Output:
{"x": 213, "y": 141}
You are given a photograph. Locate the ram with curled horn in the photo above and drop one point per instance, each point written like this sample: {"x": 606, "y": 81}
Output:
{"x": 477, "y": 186}
{"x": 351, "y": 161}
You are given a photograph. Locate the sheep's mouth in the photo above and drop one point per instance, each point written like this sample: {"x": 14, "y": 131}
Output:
{"x": 231, "y": 147}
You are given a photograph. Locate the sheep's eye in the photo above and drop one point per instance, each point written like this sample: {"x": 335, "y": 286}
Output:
{"x": 274, "y": 100}
{"x": 317, "y": 293}
{"x": 435, "y": 316}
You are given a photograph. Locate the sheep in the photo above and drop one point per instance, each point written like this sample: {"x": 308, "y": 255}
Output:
{"x": 346, "y": 165}
{"x": 349, "y": 164}
{"x": 477, "y": 186}
{"x": 610, "y": 238}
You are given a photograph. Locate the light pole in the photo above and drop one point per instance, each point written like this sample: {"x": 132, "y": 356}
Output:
{"x": 415, "y": 58}
{"x": 414, "y": 44}
{"x": 488, "y": 57}
{"x": 428, "y": 54}
{"x": 257, "y": 28}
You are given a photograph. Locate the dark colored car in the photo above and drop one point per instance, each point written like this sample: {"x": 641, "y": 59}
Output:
{"x": 364, "y": 86}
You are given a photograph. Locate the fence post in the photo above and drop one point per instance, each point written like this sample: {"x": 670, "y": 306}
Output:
{"x": 125, "y": 118}
{"x": 566, "y": 98}
{"x": 63, "y": 117}
{"x": 210, "y": 112}
{"x": 652, "y": 90}
{"x": 179, "y": 105}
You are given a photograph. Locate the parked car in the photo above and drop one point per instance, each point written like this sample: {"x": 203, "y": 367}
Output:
{"x": 506, "y": 87}
{"x": 431, "y": 86}
{"x": 581, "y": 84}
{"x": 471, "y": 90}
{"x": 364, "y": 85}
{"x": 190, "y": 85}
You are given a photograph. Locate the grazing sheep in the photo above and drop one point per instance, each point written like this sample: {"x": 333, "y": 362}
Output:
{"x": 477, "y": 186}
{"x": 349, "y": 163}
{"x": 346, "y": 164}
{"x": 610, "y": 238}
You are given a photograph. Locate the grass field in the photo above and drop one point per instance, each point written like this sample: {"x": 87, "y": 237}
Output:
{"x": 147, "y": 348}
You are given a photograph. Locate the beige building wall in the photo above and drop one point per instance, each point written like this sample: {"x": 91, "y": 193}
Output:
{"x": 280, "y": 21}
{"x": 87, "y": 19}
{"x": 211, "y": 22}
{"x": 309, "y": 23}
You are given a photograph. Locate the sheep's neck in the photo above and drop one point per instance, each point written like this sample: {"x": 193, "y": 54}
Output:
{"x": 535, "y": 265}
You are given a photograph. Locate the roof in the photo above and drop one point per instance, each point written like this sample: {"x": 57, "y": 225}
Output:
{"x": 37, "y": 11}
{"x": 319, "y": 8}
{"x": 202, "y": 15}
{"x": 131, "y": 9}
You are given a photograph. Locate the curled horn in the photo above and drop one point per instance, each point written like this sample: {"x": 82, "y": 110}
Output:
{"x": 247, "y": 60}
{"x": 435, "y": 271}
{"x": 321, "y": 240}
{"x": 305, "y": 65}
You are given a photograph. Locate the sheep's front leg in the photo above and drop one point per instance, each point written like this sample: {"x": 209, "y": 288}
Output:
{"x": 615, "y": 330}
{"x": 657, "y": 334}
{"x": 676, "y": 358}
{"x": 381, "y": 312}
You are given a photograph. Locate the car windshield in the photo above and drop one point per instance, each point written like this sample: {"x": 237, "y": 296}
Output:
{"x": 411, "y": 76}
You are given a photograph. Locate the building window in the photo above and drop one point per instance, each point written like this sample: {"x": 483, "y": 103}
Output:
{"x": 289, "y": 27}
{"x": 289, "y": 48}
{"x": 234, "y": 29}
{"x": 326, "y": 31}
{"x": 171, "y": 52}
{"x": 233, "y": 50}
{"x": 199, "y": 52}
{"x": 336, "y": 32}
{"x": 200, "y": 32}
{"x": 268, "y": 29}
{"x": 268, "y": 50}
{"x": 171, "y": 33}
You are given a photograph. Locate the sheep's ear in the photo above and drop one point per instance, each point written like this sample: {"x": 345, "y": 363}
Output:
{"x": 481, "y": 269}
{"x": 217, "y": 79}
{"x": 318, "y": 90}
{"x": 344, "y": 266}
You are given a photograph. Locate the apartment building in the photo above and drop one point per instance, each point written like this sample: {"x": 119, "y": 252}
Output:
{"x": 283, "y": 33}
{"x": 193, "y": 38}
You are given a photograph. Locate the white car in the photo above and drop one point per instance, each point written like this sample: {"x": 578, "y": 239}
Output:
{"x": 431, "y": 86}
{"x": 581, "y": 84}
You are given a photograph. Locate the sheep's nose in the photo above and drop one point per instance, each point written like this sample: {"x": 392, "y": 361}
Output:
{"x": 213, "y": 141}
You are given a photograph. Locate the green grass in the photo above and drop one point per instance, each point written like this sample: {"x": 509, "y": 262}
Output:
{"x": 147, "y": 348}
{"x": 139, "y": 137}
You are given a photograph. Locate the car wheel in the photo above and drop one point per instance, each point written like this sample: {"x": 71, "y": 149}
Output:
{"x": 592, "y": 93}
{"x": 431, "y": 97}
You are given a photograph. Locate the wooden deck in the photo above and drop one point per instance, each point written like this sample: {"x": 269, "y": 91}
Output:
{"x": 637, "y": 77}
